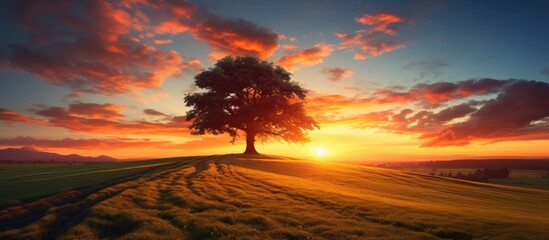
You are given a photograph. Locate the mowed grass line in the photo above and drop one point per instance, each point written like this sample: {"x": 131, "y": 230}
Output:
{"x": 238, "y": 197}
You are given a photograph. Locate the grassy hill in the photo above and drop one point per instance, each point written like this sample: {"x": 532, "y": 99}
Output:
{"x": 237, "y": 197}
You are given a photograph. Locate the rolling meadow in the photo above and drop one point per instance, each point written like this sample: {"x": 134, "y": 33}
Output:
{"x": 265, "y": 197}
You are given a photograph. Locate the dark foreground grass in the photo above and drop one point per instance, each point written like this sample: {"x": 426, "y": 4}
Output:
{"x": 234, "y": 197}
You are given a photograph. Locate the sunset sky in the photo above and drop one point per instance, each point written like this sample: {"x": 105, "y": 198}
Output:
{"x": 388, "y": 80}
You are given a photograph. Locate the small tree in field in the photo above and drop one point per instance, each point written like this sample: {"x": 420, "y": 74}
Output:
{"x": 245, "y": 94}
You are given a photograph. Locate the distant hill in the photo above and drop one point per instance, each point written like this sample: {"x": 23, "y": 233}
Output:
{"x": 30, "y": 154}
{"x": 534, "y": 164}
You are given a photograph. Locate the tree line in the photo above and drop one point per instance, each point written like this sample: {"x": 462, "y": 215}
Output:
{"x": 480, "y": 175}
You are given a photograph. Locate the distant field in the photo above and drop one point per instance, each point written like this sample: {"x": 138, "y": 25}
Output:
{"x": 21, "y": 181}
{"x": 234, "y": 197}
{"x": 517, "y": 177}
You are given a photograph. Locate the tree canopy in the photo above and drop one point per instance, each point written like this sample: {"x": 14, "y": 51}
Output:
{"x": 246, "y": 94}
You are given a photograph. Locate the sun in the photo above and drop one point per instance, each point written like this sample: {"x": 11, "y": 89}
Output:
{"x": 320, "y": 152}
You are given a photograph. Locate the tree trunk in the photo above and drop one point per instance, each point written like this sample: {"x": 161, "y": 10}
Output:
{"x": 250, "y": 141}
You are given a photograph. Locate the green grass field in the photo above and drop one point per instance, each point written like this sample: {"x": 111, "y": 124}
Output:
{"x": 235, "y": 197}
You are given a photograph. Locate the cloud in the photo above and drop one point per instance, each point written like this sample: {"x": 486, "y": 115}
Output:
{"x": 170, "y": 27}
{"x": 376, "y": 39}
{"x": 379, "y": 22}
{"x": 89, "y": 143}
{"x": 426, "y": 69}
{"x": 306, "y": 57}
{"x": 367, "y": 46}
{"x": 225, "y": 36}
{"x": 519, "y": 112}
{"x": 162, "y": 41}
{"x": 152, "y": 112}
{"x": 74, "y": 95}
{"x": 235, "y": 36}
{"x": 94, "y": 110}
{"x": 99, "y": 46}
{"x": 88, "y": 47}
{"x": 112, "y": 143}
{"x": 545, "y": 71}
{"x": 150, "y": 98}
{"x": 329, "y": 107}
{"x": 336, "y": 74}
{"x": 289, "y": 47}
{"x": 440, "y": 92}
{"x": 107, "y": 119}
{"x": 9, "y": 116}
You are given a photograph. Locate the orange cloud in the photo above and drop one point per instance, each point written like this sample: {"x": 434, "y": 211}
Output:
{"x": 89, "y": 51}
{"x": 374, "y": 41}
{"x": 327, "y": 107}
{"x": 226, "y": 36}
{"x": 519, "y": 112}
{"x": 307, "y": 57}
{"x": 171, "y": 27}
{"x": 367, "y": 46}
{"x": 379, "y": 22}
{"x": 289, "y": 47}
{"x": 235, "y": 37}
{"x": 440, "y": 92}
{"x": 94, "y": 110}
{"x": 105, "y": 120}
{"x": 9, "y": 116}
{"x": 162, "y": 41}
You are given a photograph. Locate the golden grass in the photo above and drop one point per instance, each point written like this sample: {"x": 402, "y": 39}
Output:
{"x": 237, "y": 197}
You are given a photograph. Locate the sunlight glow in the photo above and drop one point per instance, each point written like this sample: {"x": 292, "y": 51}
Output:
{"x": 320, "y": 152}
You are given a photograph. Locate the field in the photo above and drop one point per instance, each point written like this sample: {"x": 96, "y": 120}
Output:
{"x": 238, "y": 197}
{"x": 517, "y": 177}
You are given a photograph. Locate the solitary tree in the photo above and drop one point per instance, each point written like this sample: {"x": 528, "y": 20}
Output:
{"x": 251, "y": 96}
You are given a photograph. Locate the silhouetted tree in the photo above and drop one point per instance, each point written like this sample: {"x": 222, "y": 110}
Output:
{"x": 246, "y": 94}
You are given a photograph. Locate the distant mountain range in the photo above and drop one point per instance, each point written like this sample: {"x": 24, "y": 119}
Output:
{"x": 30, "y": 154}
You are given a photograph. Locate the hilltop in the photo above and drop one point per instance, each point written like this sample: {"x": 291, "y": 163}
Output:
{"x": 266, "y": 197}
